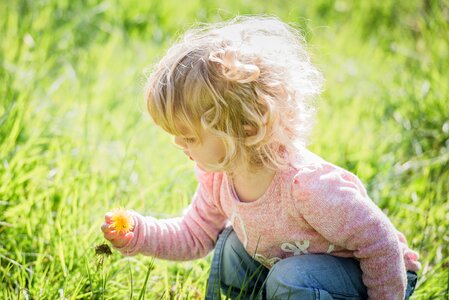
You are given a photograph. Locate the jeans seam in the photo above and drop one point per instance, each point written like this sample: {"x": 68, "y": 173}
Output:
{"x": 216, "y": 265}
{"x": 223, "y": 237}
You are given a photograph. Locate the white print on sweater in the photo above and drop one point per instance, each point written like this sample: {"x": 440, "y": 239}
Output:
{"x": 297, "y": 249}
{"x": 267, "y": 262}
{"x": 234, "y": 216}
{"x": 287, "y": 247}
{"x": 301, "y": 248}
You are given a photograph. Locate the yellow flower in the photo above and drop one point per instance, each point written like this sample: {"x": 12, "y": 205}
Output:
{"x": 122, "y": 221}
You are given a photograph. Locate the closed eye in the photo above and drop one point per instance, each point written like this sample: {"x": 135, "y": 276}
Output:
{"x": 189, "y": 140}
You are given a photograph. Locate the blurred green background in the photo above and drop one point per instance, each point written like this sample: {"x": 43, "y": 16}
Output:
{"x": 75, "y": 140}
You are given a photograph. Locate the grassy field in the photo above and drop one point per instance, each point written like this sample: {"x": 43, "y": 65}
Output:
{"x": 75, "y": 140}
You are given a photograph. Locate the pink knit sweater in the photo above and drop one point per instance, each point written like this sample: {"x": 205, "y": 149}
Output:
{"x": 315, "y": 207}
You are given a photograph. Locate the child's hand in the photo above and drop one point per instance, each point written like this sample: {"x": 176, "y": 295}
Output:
{"x": 117, "y": 228}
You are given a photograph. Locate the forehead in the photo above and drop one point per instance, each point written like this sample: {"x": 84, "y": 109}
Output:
{"x": 184, "y": 130}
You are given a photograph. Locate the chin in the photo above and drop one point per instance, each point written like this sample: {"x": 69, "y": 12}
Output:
{"x": 207, "y": 168}
{"x": 201, "y": 167}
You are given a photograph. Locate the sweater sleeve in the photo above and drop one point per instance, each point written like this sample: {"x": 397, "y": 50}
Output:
{"x": 188, "y": 237}
{"x": 335, "y": 203}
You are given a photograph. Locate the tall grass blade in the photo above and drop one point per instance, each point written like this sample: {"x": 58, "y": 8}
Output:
{"x": 144, "y": 287}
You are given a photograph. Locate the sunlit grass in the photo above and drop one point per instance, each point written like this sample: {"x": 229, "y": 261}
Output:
{"x": 75, "y": 141}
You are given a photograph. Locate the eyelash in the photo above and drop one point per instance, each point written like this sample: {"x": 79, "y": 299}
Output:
{"x": 189, "y": 140}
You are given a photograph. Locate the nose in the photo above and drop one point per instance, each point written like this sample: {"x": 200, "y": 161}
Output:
{"x": 179, "y": 142}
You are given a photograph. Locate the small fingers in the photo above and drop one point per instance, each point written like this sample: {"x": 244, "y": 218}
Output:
{"x": 106, "y": 228}
{"x": 118, "y": 239}
{"x": 123, "y": 240}
{"x": 108, "y": 217}
{"x": 111, "y": 235}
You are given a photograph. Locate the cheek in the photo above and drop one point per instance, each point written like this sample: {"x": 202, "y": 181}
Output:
{"x": 220, "y": 151}
{"x": 194, "y": 152}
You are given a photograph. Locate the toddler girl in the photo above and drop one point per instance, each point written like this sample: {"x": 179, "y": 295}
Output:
{"x": 284, "y": 222}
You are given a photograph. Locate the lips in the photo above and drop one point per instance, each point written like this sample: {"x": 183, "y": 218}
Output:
{"x": 186, "y": 153}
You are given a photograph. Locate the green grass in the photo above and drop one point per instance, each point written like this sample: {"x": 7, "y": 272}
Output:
{"x": 75, "y": 140}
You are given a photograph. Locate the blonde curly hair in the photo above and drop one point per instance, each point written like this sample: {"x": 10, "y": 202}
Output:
{"x": 249, "y": 81}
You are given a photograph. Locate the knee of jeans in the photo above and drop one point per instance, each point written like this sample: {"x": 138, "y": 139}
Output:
{"x": 284, "y": 273}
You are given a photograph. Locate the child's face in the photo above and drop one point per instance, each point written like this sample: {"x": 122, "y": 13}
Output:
{"x": 210, "y": 151}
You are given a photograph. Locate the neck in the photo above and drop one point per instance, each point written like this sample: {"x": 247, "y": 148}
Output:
{"x": 251, "y": 185}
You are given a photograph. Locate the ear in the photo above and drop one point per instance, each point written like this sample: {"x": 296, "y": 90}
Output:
{"x": 249, "y": 130}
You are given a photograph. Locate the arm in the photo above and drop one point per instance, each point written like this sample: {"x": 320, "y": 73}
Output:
{"x": 335, "y": 204}
{"x": 188, "y": 237}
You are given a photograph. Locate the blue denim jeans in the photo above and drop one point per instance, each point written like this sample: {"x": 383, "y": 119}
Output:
{"x": 235, "y": 274}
